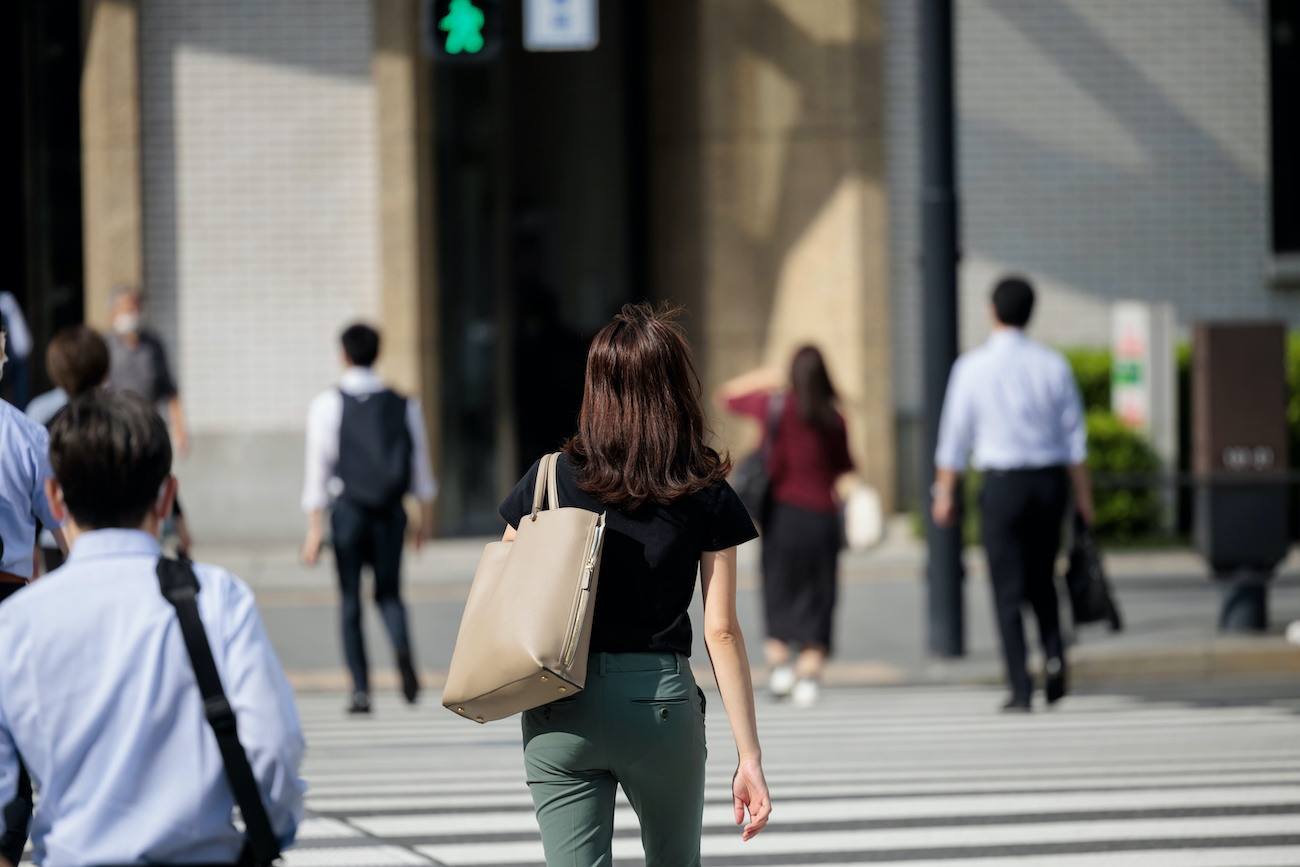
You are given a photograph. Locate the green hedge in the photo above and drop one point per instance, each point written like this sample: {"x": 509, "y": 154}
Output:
{"x": 1293, "y": 395}
{"x": 1092, "y": 372}
{"x": 1113, "y": 449}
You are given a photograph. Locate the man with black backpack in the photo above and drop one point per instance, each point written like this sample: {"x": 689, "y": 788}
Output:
{"x": 366, "y": 449}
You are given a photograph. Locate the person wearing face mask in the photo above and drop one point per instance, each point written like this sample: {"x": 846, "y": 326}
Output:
{"x": 138, "y": 364}
{"x": 24, "y": 470}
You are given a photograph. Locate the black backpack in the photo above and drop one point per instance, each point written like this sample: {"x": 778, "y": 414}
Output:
{"x": 374, "y": 449}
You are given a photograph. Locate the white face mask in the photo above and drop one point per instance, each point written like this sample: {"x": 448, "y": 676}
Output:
{"x": 126, "y": 323}
{"x": 4, "y": 355}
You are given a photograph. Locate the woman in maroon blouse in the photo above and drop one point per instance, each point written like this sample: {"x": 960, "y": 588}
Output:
{"x": 801, "y": 527}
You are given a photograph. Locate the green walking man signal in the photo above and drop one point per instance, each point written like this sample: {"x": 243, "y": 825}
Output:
{"x": 462, "y": 31}
{"x": 464, "y": 26}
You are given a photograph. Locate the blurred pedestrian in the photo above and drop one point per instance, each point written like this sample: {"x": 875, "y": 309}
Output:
{"x": 98, "y": 694}
{"x": 24, "y": 471}
{"x": 138, "y": 364}
{"x": 76, "y": 362}
{"x": 801, "y": 524}
{"x": 20, "y": 347}
{"x": 366, "y": 449}
{"x": 641, "y": 458}
{"x": 1016, "y": 405}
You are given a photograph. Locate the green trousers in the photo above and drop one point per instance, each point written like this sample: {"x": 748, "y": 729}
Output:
{"x": 638, "y": 723}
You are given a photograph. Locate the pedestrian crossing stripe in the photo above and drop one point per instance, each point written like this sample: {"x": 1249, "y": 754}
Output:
{"x": 915, "y": 776}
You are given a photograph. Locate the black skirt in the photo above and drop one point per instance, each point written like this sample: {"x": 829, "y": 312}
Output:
{"x": 800, "y": 550}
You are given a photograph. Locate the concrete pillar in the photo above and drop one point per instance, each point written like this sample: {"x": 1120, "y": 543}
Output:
{"x": 408, "y": 294}
{"x": 770, "y": 213}
{"x": 110, "y": 152}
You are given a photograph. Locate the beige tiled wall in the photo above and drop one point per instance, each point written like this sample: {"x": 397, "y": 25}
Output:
{"x": 260, "y": 199}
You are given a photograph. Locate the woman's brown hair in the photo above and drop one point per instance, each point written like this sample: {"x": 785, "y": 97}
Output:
{"x": 77, "y": 360}
{"x": 813, "y": 391}
{"x": 641, "y": 432}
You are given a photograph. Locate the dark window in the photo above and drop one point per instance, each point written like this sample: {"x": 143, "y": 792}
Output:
{"x": 1284, "y": 66}
{"x": 541, "y": 239}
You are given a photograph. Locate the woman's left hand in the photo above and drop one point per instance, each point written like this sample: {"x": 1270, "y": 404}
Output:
{"x": 749, "y": 789}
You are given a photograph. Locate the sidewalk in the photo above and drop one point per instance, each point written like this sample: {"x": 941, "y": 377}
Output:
{"x": 1167, "y": 598}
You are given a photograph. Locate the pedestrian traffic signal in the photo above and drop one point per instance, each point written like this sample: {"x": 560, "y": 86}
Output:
{"x": 462, "y": 31}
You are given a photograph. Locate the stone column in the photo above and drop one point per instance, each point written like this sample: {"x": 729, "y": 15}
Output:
{"x": 770, "y": 212}
{"x": 408, "y": 292}
{"x": 110, "y": 153}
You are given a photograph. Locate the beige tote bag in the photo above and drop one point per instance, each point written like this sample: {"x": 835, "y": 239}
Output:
{"x": 527, "y": 625}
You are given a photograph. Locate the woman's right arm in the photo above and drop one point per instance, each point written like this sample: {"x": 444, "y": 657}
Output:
{"x": 762, "y": 381}
{"x": 726, "y": 647}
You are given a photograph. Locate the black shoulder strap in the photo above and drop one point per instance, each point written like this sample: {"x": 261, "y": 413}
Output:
{"x": 181, "y": 588}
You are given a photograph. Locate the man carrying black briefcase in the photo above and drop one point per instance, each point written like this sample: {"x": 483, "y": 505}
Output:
{"x": 1014, "y": 404}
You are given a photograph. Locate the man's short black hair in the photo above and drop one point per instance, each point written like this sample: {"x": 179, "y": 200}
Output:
{"x": 361, "y": 344}
{"x": 1013, "y": 300}
{"x": 111, "y": 454}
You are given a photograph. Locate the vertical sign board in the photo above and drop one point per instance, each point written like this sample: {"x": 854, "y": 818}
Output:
{"x": 1144, "y": 384}
{"x": 1239, "y": 443}
{"x": 561, "y": 25}
{"x": 1130, "y": 388}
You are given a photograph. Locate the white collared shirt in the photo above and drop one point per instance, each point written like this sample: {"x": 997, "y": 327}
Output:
{"x": 320, "y": 484}
{"x": 1016, "y": 404}
{"x": 98, "y": 695}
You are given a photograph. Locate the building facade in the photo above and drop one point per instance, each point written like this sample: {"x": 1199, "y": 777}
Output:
{"x": 1109, "y": 150}
{"x": 287, "y": 167}
{"x": 271, "y": 170}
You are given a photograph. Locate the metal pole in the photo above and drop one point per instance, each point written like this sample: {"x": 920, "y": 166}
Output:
{"x": 944, "y": 572}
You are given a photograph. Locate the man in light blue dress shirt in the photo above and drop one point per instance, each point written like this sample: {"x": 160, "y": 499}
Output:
{"x": 1015, "y": 404}
{"x": 24, "y": 470}
{"x": 97, "y": 692}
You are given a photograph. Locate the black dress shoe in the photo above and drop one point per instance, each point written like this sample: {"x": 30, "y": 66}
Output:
{"x": 410, "y": 682}
{"x": 360, "y": 703}
{"x": 1055, "y": 687}
{"x": 1016, "y": 705}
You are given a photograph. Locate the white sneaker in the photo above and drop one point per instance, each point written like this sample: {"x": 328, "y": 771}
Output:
{"x": 805, "y": 692}
{"x": 780, "y": 681}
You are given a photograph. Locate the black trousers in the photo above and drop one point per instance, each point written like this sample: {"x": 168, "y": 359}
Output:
{"x": 800, "y": 554}
{"x": 1021, "y": 515}
{"x": 369, "y": 536}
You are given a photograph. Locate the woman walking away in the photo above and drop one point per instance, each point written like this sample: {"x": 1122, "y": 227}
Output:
{"x": 801, "y": 528}
{"x": 640, "y": 457}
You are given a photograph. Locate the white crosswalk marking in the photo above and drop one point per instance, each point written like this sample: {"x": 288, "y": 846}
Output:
{"x": 927, "y": 777}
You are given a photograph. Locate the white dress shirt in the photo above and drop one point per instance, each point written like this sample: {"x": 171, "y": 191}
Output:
{"x": 1015, "y": 402}
{"x": 98, "y": 695}
{"x": 42, "y": 408}
{"x": 320, "y": 485}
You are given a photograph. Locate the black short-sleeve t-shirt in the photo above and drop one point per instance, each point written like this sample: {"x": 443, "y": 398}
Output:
{"x": 650, "y": 559}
